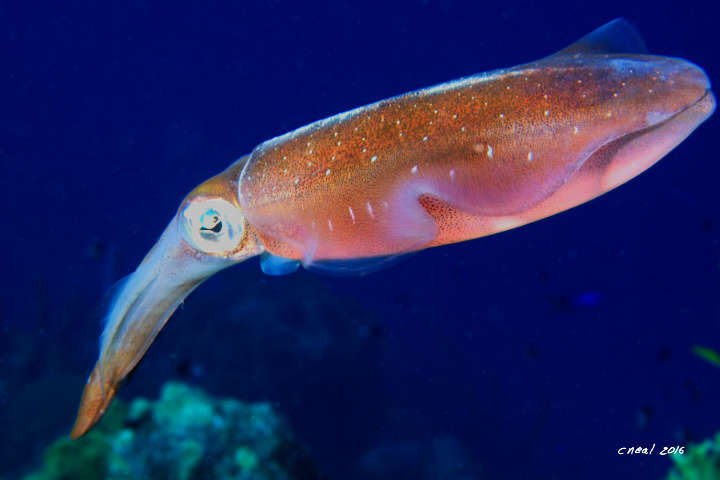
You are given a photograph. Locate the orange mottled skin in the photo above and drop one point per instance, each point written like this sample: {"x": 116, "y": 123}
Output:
{"x": 474, "y": 152}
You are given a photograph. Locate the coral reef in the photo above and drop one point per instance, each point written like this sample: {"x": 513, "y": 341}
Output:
{"x": 86, "y": 458}
{"x": 700, "y": 462}
{"x": 184, "y": 435}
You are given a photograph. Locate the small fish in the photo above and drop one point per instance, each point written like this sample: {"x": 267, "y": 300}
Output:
{"x": 444, "y": 164}
{"x": 708, "y": 354}
{"x": 587, "y": 299}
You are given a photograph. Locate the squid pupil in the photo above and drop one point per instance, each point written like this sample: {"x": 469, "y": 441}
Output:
{"x": 216, "y": 225}
{"x": 216, "y": 228}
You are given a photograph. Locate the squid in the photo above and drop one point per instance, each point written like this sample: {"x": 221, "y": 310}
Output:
{"x": 440, "y": 165}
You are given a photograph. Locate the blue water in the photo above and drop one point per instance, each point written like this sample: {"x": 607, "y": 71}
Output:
{"x": 532, "y": 354}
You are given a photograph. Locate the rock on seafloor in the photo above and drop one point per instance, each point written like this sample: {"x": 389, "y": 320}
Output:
{"x": 184, "y": 435}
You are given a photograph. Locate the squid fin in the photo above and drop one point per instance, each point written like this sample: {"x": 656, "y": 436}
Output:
{"x": 274, "y": 265}
{"x": 617, "y": 36}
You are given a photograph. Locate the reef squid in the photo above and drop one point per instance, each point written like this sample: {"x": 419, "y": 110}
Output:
{"x": 440, "y": 165}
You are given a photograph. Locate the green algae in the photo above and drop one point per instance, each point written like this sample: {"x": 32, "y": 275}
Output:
{"x": 184, "y": 435}
{"x": 246, "y": 459}
{"x": 700, "y": 462}
{"x": 85, "y": 458}
{"x": 710, "y": 355}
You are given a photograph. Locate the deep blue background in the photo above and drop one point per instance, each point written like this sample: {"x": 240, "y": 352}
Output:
{"x": 478, "y": 360}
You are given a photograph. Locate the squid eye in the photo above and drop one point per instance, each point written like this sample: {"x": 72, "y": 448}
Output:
{"x": 213, "y": 225}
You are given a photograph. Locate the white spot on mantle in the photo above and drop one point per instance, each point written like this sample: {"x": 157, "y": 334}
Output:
{"x": 370, "y": 210}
